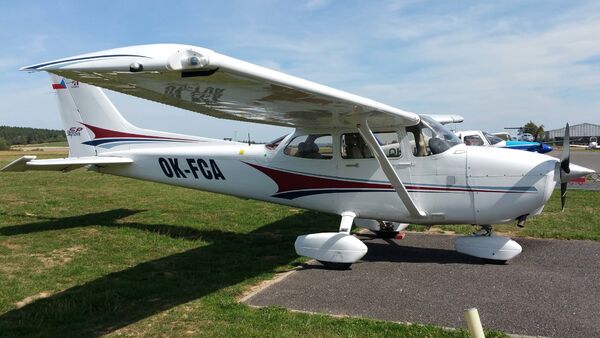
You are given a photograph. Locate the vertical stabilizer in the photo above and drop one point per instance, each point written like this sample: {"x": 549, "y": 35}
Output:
{"x": 94, "y": 125}
{"x": 76, "y": 133}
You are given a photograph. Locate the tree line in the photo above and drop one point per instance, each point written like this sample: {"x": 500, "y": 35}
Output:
{"x": 24, "y": 135}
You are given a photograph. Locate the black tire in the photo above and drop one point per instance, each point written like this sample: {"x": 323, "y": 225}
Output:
{"x": 494, "y": 261}
{"x": 386, "y": 234}
{"x": 335, "y": 265}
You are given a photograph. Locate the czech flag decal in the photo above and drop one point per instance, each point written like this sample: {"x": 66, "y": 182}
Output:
{"x": 61, "y": 85}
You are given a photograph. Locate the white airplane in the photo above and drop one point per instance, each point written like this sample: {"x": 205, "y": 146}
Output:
{"x": 593, "y": 145}
{"x": 483, "y": 138}
{"x": 430, "y": 178}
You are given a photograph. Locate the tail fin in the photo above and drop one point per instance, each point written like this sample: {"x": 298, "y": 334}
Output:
{"x": 72, "y": 121}
{"x": 94, "y": 125}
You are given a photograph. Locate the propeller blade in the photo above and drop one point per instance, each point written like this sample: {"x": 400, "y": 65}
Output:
{"x": 566, "y": 153}
{"x": 563, "y": 196}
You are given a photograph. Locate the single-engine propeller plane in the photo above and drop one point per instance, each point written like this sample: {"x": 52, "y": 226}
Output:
{"x": 372, "y": 164}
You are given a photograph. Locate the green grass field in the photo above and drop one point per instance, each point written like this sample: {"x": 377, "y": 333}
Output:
{"x": 40, "y": 145}
{"x": 84, "y": 254}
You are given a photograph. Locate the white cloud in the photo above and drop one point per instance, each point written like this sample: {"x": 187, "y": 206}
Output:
{"x": 314, "y": 4}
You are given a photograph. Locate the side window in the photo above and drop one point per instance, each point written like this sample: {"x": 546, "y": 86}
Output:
{"x": 473, "y": 140}
{"x": 317, "y": 146}
{"x": 354, "y": 147}
{"x": 419, "y": 137}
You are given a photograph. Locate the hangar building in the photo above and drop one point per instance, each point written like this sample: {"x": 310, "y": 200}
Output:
{"x": 580, "y": 132}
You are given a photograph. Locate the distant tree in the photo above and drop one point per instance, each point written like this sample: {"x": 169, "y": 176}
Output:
{"x": 534, "y": 129}
{"x": 24, "y": 135}
{"x": 3, "y": 144}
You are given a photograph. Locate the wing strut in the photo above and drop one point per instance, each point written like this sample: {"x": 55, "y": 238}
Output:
{"x": 386, "y": 166}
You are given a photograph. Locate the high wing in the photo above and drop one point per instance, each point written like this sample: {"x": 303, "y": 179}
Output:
{"x": 203, "y": 81}
{"x": 446, "y": 119}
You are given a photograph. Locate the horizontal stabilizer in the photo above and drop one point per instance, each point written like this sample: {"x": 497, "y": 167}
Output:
{"x": 63, "y": 164}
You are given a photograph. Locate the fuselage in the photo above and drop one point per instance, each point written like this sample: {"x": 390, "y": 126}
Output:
{"x": 473, "y": 185}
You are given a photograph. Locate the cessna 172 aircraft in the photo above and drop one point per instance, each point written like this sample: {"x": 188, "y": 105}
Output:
{"x": 370, "y": 163}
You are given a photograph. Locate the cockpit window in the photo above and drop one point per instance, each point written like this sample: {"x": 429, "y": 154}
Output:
{"x": 492, "y": 139}
{"x": 354, "y": 147}
{"x": 429, "y": 137}
{"x": 316, "y": 146}
{"x": 273, "y": 144}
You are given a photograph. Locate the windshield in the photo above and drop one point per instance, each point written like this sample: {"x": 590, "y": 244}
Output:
{"x": 492, "y": 139}
{"x": 273, "y": 144}
{"x": 441, "y": 139}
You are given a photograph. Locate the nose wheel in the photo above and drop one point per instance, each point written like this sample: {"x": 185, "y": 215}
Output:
{"x": 485, "y": 244}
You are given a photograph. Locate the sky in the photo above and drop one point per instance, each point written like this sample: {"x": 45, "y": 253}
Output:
{"x": 497, "y": 63}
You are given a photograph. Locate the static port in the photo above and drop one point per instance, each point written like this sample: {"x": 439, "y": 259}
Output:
{"x": 136, "y": 67}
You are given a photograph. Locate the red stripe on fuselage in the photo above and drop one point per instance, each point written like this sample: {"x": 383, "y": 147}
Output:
{"x": 107, "y": 133}
{"x": 287, "y": 181}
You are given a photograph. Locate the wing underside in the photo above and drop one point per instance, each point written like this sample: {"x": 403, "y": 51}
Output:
{"x": 206, "y": 82}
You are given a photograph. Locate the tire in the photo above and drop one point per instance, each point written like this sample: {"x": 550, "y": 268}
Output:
{"x": 335, "y": 265}
{"x": 386, "y": 234}
{"x": 494, "y": 261}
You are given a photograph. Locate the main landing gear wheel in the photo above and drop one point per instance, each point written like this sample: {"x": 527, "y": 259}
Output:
{"x": 389, "y": 229}
{"x": 335, "y": 250}
{"x": 386, "y": 234}
{"x": 335, "y": 266}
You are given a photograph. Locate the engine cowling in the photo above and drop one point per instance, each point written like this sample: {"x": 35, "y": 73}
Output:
{"x": 331, "y": 247}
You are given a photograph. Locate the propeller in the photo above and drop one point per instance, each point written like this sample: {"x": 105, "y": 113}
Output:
{"x": 564, "y": 168}
{"x": 569, "y": 171}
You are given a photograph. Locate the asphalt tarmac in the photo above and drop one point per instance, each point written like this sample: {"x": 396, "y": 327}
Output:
{"x": 551, "y": 289}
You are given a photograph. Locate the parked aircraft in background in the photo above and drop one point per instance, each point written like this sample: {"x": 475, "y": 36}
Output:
{"x": 482, "y": 138}
{"x": 431, "y": 177}
{"x": 593, "y": 145}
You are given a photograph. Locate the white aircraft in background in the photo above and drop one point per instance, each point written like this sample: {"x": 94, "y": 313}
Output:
{"x": 430, "y": 178}
{"x": 483, "y": 138}
{"x": 593, "y": 145}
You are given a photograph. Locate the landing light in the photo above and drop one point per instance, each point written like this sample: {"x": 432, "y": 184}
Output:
{"x": 198, "y": 60}
{"x": 136, "y": 67}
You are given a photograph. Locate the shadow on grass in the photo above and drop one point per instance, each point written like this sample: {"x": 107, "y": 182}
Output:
{"x": 106, "y": 218}
{"x": 125, "y": 297}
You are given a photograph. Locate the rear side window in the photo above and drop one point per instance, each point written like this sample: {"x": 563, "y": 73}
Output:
{"x": 315, "y": 146}
{"x": 354, "y": 147}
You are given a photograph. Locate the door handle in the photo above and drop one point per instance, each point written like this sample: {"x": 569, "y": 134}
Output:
{"x": 355, "y": 165}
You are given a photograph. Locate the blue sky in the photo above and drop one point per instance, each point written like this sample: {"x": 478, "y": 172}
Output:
{"x": 497, "y": 63}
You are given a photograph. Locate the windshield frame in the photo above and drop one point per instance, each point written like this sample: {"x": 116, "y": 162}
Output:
{"x": 440, "y": 132}
{"x": 492, "y": 139}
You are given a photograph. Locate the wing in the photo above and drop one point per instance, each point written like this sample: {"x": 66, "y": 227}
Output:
{"x": 445, "y": 119}
{"x": 210, "y": 83}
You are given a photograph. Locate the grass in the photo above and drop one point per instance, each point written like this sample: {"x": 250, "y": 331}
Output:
{"x": 46, "y": 144}
{"x": 84, "y": 254}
